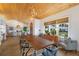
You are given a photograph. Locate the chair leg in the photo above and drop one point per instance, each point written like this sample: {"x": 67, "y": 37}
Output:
{"x": 27, "y": 51}
{"x": 23, "y": 51}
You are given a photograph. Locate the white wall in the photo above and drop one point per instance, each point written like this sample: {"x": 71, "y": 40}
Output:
{"x": 14, "y": 23}
{"x": 3, "y": 27}
{"x": 73, "y": 14}
{"x": 38, "y": 26}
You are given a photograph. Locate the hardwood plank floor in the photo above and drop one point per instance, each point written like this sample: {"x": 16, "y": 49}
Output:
{"x": 10, "y": 47}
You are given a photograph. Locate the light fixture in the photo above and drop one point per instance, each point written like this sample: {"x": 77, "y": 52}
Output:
{"x": 33, "y": 12}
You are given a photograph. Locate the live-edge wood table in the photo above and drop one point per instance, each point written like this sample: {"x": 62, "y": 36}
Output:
{"x": 37, "y": 42}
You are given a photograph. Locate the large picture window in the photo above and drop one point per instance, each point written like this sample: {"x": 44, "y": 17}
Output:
{"x": 57, "y": 27}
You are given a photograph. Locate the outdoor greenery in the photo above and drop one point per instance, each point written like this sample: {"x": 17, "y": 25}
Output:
{"x": 47, "y": 32}
{"x": 53, "y": 31}
{"x": 63, "y": 31}
{"x": 64, "y": 34}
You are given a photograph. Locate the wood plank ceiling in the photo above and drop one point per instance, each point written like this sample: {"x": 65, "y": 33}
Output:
{"x": 26, "y": 11}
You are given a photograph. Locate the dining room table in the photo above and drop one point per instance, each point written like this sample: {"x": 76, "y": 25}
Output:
{"x": 37, "y": 42}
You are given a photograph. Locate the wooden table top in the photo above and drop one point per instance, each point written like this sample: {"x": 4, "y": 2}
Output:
{"x": 37, "y": 42}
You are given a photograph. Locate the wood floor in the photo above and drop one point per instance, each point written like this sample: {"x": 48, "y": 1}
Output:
{"x": 11, "y": 48}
